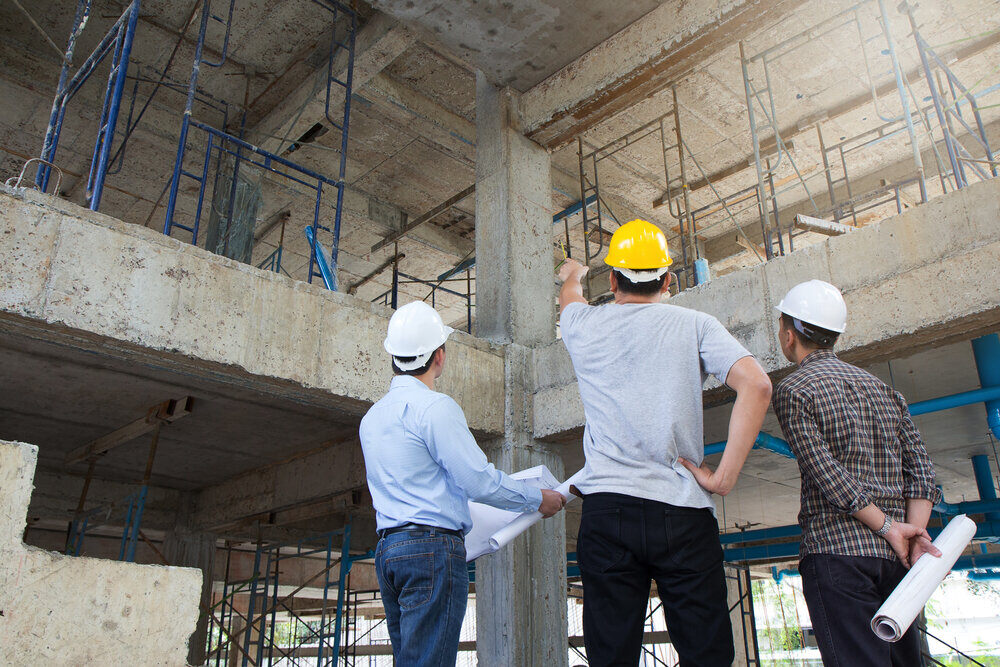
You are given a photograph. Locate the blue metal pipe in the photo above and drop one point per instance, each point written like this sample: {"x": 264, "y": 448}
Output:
{"x": 748, "y": 536}
{"x": 984, "y": 482}
{"x": 968, "y": 507}
{"x": 763, "y": 441}
{"x": 345, "y": 567}
{"x": 992, "y": 574}
{"x": 116, "y": 88}
{"x": 324, "y": 268}
{"x": 779, "y": 575}
{"x": 991, "y": 394}
{"x": 986, "y": 350}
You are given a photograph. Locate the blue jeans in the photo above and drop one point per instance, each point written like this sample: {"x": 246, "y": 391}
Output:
{"x": 425, "y": 588}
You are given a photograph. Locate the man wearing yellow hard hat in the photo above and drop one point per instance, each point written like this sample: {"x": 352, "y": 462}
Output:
{"x": 648, "y": 512}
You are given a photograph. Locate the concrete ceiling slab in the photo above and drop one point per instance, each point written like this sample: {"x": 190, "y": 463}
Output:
{"x": 60, "y": 399}
{"x": 515, "y": 43}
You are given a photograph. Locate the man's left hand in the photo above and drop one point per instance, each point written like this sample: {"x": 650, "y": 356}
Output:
{"x": 709, "y": 479}
{"x": 922, "y": 545}
{"x": 900, "y": 537}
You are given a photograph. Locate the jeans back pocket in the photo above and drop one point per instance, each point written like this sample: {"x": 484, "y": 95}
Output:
{"x": 599, "y": 543}
{"x": 411, "y": 574}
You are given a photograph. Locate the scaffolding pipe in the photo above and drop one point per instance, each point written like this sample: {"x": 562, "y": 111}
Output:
{"x": 901, "y": 87}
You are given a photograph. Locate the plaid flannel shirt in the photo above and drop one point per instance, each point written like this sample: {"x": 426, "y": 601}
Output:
{"x": 855, "y": 444}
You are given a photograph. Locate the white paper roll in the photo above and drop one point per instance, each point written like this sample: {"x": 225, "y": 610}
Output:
{"x": 894, "y": 618}
{"x": 503, "y": 537}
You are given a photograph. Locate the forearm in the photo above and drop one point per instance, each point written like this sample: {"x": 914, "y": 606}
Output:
{"x": 918, "y": 511}
{"x": 571, "y": 292}
{"x": 871, "y": 516}
{"x": 747, "y": 418}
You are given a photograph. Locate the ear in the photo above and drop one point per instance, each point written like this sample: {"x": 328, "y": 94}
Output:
{"x": 613, "y": 280}
{"x": 666, "y": 283}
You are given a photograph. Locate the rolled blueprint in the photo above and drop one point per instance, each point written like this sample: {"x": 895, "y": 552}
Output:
{"x": 503, "y": 537}
{"x": 894, "y": 618}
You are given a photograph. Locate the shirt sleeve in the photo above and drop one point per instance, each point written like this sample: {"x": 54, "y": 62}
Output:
{"x": 718, "y": 349}
{"x": 570, "y": 322}
{"x": 918, "y": 472}
{"x": 451, "y": 444}
{"x": 816, "y": 462}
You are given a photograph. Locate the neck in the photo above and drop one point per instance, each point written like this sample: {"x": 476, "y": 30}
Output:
{"x": 428, "y": 379}
{"x": 801, "y": 352}
{"x": 622, "y": 297}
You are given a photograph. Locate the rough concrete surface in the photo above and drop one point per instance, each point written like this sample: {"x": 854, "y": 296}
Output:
{"x": 910, "y": 282}
{"x": 84, "y": 276}
{"x": 62, "y": 610}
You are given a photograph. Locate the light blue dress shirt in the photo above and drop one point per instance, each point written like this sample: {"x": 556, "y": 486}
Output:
{"x": 423, "y": 465}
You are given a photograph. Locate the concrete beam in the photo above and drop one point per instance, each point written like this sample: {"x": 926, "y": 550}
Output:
{"x": 304, "y": 480}
{"x": 629, "y": 66}
{"x": 380, "y": 41}
{"x": 96, "y": 284}
{"x": 910, "y": 282}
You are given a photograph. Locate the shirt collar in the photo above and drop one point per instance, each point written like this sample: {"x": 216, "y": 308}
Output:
{"x": 400, "y": 381}
{"x": 816, "y": 355}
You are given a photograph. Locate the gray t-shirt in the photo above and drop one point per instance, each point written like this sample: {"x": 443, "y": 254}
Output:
{"x": 641, "y": 368}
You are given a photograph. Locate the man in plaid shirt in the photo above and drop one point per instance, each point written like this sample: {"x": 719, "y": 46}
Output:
{"x": 867, "y": 483}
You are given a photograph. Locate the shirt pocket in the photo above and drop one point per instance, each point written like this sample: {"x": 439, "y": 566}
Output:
{"x": 599, "y": 546}
{"x": 412, "y": 575}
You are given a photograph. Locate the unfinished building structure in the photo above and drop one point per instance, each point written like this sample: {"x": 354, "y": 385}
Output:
{"x": 212, "y": 207}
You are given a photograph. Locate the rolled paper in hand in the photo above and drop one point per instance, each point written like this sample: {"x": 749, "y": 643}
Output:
{"x": 894, "y": 618}
{"x": 503, "y": 537}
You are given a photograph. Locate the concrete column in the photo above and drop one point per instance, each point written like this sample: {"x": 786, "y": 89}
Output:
{"x": 520, "y": 591}
{"x": 188, "y": 548}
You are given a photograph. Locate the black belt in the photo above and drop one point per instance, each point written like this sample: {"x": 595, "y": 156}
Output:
{"x": 413, "y": 527}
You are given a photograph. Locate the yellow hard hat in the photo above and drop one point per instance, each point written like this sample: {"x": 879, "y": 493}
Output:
{"x": 638, "y": 245}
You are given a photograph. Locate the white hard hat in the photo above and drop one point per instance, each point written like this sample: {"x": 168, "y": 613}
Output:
{"x": 415, "y": 330}
{"x": 817, "y": 303}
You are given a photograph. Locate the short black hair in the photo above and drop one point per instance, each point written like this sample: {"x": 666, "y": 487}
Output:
{"x": 647, "y": 288}
{"x": 813, "y": 336}
{"x": 416, "y": 371}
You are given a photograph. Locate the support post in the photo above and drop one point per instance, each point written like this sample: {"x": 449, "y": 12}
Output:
{"x": 520, "y": 590}
{"x": 186, "y": 547}
{"x": 984, "y": 482}
{"x": 987, "y": 353}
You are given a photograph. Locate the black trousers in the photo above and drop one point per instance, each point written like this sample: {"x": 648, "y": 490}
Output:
{"x": 843, "y": 593}
{"x": 625, "y": 542}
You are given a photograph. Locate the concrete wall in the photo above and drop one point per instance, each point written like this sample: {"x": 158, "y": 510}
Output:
{"x": 926, "y": 277}
{"x": 95, "y": 283}
{"x": 61, "y": 610}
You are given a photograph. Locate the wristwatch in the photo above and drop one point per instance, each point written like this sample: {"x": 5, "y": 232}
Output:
{"x": 885, "y": 527}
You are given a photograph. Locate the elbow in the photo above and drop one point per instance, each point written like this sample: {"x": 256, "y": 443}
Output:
{"x": 761, "y": 389}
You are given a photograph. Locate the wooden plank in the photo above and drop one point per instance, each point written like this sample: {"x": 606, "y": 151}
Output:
{"x": 167, "y": 411}
{"x": 429, "y": 215}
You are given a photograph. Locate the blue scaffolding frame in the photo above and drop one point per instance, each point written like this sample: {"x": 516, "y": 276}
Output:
{"x": 220, "y": 141}
{"x": 117, "y": 43}
{"x": 265, "y": 598}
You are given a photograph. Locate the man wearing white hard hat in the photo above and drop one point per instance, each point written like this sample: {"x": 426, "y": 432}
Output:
{"x": 423, "y": 466}
{"x": 867, "y": 483}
